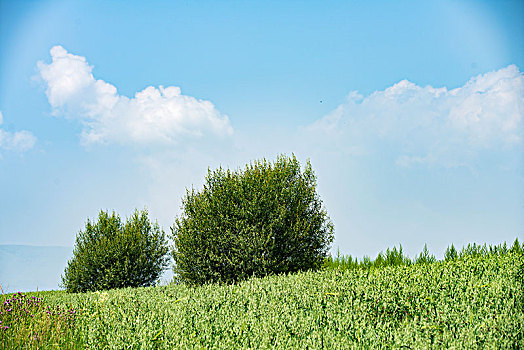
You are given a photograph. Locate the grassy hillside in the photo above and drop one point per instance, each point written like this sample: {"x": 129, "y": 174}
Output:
{"x": 475, "y": 301}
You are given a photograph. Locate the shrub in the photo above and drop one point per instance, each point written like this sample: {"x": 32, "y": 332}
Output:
{"x": 266, "y": 219}
{"x": 110, "y": 254}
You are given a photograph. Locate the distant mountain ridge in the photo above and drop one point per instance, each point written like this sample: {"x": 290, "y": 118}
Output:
{"x": 28, "y": 268}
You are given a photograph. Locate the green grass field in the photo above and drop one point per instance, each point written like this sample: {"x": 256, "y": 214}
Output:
{"x": 472, "y": 302}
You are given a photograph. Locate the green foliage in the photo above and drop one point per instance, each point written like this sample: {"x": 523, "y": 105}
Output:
{"x": 266, "y": 219}
{"x": 468, "y": 303}
{"x": 425, "y": 257}
{"x": 342, "y": 262}
{"x": 516, "y": 247}
{"x": 27, "y": 323}
{"x": 501, "y": 249}
{"x": 392, "y": 257}
{"x": 451, "y": 253}
{"x": 112, "y": 254}
{"x": 396, "y": 257}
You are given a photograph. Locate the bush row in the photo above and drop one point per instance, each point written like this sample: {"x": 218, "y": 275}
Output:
{"x": 264, "y": 219}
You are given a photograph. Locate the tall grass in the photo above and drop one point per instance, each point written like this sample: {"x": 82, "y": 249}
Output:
{"x": 28, "y": 323}
{"x": 470, "y": 302}
{"x": 472, "y": 299}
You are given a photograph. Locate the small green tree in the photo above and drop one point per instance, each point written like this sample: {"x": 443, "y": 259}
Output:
{"x": 425, "y": 257}
{"x": 110, "y": 254}
{"x": 517, "y": 248}
{"x": 451, "y": 253}
{"x": 267, "y": 219}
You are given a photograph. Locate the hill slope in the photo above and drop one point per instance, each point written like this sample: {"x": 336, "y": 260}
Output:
{"x": 476, "y": 301}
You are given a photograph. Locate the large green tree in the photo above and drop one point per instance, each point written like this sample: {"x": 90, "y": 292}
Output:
{"x": 265, "y": 219}
{"x": 111, "y": 254}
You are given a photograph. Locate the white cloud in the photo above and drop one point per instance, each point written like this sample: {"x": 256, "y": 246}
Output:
{"x": 426, "y": 125}
{"x": 18, "y": 141}
{"x": 152, "y": 116}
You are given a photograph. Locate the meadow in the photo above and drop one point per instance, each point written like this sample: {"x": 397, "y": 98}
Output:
{"x": 474, "y": 300}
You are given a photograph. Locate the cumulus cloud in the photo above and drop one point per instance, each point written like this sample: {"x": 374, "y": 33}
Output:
{"x": 153, "y": 116}
{"x": 16, "y": 141}
{"x": 427, "y": 125}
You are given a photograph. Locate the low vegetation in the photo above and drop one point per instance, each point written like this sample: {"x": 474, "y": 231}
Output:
{"x": 26, "y": 322}
{"x": 473, "y": 299}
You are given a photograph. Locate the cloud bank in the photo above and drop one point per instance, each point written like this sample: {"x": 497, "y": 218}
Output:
{"x": 153, "y": 116}
{"x": 426, "y": 125}
{"x": 19, "y": 141}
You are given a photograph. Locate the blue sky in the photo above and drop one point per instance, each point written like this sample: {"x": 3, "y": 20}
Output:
{"x": 411, "y": 112}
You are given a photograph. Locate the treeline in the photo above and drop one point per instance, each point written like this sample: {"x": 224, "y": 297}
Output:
{"x": 262, "y": 220}
{"x": 396, "y": 257}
